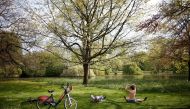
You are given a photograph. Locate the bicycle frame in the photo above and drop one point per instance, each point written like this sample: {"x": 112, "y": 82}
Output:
{"x": 50, "y": 99}
{"x": 62, "y": 97}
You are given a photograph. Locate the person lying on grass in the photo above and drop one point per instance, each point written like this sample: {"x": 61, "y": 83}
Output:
{"x": 97, "y": 98}
{"x": 131, "y": 97}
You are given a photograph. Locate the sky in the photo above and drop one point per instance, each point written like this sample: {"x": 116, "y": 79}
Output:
{"x": 150, "y": 8}
{"x": 154, "y": 2}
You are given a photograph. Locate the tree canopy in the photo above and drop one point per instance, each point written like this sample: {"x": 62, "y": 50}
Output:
{"x": 173, "y": 19}
{"x": 88, "y": 28}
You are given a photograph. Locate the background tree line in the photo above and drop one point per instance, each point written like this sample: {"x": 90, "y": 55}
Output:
{"x": 94, "y": 40}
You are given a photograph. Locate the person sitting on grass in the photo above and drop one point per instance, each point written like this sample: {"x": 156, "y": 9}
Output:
{"x": 131, "y": 97}
{"x": 97, "y": 98}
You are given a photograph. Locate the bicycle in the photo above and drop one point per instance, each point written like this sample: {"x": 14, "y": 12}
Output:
{"x": 46, "y": 102}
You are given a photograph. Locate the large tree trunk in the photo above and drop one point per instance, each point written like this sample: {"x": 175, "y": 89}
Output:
{"x": 86, "y": 72}
{"x": 188, "y": 33}
{"x": 189, "y": 69}
{"x": 189, "y": 57}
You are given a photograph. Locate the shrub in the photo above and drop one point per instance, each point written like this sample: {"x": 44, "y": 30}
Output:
{"x": 27, "y": 72}
{"x": 99, "y": 72}
{"x": 10, "y": 71}
{"x": 108, "y": 71}
{"x": 75, "y": 71}
{"x": 131, "y": 69}
{"x": 53, "y": 71}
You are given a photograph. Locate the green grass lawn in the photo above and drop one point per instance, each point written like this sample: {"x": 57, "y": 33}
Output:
{"x": 161, "y": 93}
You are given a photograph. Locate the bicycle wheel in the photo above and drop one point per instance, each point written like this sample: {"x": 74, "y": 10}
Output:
{"x": 73, "y": 104}
{"x": 41, "y": 105}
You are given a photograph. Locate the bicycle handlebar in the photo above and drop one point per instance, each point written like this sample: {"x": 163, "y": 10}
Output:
{"x": 67, "y": 88}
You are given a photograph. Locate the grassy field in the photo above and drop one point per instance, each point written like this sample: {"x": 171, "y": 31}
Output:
{"x": 162, "y": 92}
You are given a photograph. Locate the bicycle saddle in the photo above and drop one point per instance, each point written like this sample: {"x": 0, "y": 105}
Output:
{"x": 50, "y": 91}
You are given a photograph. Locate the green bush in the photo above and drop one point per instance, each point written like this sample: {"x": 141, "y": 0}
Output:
{"x": 132, "y": 69}
{"x": 99, "y": 72}
{"x": 145, "y": 66}
{"x": 53, "y": 71}
{"x": 75, "y": 71}
{"x": 98, "y": 69}
{"x": 181, "y": 68}
{"x": 10, "y": 71}
{"x": 108, "y": 71}
{"x": 27, "y": 72}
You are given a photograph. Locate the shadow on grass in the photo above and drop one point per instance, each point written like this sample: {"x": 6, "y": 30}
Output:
{"x": 27, "y": 105}
{"x": 115, "y": 103}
